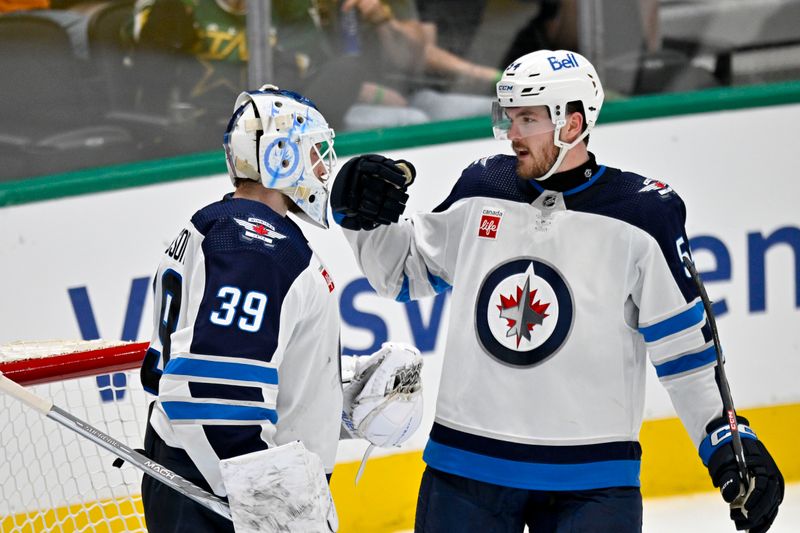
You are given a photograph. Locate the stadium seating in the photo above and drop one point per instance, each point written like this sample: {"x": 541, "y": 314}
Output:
{"x": 49, "y": 121}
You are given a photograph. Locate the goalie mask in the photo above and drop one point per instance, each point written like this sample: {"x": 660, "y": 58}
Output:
{"x": 552, "y": 79}
{"x": 279, "y": 139}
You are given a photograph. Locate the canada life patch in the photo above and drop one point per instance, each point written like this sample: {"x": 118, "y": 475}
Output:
{"x": 524, "y": 312}
{"x": 490, "y": 223}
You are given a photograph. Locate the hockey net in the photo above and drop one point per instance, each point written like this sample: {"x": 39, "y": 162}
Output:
{"x": 52, "y": 479}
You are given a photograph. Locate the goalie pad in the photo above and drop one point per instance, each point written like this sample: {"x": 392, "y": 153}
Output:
{"x": 383, "y": 399}
{"x": 282, "y": 489}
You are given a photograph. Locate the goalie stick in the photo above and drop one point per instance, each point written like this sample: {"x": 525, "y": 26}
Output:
{"x": 725, "y": 391}
{"x": 148, "y": 466}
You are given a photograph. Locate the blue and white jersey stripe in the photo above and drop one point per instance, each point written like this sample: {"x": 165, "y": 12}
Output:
{"x": 533, "y": 467}
{"x": 222, "y": 370}
{"x": 688, "y": 362}
{"x": 206, "y": 411}
{"x": 677, "y": 344}
{"x": 683, "y": 321}
{"x": 249, "y": 393}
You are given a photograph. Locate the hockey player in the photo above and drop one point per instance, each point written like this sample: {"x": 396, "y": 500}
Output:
{"x": 569, "y": 274}
{"x": 245, "y": 350}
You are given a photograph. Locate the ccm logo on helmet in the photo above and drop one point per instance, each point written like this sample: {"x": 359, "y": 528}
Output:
{"x": 558, "y": 64}
{"x": 505, "y": 88}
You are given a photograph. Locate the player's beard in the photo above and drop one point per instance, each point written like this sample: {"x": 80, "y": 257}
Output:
{"x": 538, "y": 162}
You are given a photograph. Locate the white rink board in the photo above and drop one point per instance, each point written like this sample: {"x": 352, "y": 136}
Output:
{"x": 734, "y": 170}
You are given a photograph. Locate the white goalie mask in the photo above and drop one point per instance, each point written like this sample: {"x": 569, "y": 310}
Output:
{"x": 550, "y": 78}
{"x": 279, "y": 139}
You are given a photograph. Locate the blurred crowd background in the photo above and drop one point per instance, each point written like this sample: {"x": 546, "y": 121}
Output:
{"x": 91, "y": 83}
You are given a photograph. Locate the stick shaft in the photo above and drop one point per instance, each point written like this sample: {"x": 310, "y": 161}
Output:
{"x": 725, "y": 390}
{"x": 146, "y": 465}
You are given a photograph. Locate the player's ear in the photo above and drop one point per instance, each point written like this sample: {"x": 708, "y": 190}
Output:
{"x": 573, "y": 128}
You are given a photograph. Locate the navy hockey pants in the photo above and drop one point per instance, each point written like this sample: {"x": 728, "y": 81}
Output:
{"x": 453, "y": 503}
{"x": 167, "y": 511}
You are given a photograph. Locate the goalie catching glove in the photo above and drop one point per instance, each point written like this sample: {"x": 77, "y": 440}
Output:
{"x": 370, "y": 190}
{"x": 383, "y": 394}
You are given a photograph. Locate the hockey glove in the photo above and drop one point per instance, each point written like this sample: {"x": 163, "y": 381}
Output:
{"x": 759, "y": 506}
{"x": 370, "y": 190}
{"x": 383, "y": 394}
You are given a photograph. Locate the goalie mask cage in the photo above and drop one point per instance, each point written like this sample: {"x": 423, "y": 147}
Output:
{"x": 52, "y": 479}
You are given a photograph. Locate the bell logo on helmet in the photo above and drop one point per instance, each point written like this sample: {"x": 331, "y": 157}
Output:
{"x": 558, "y": 64}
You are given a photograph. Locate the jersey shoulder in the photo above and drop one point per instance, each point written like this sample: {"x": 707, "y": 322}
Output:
{"x": 646, "y": 203}
{"x": 253, "y": 232}
{"x": 489, "y": 177}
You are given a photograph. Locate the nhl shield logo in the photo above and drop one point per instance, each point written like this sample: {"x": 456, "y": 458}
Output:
{"x": 524, "y": 312}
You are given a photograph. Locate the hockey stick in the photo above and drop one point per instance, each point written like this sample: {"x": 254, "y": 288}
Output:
{"x": 148, "y": 466}
{"x": 725, "y": 392}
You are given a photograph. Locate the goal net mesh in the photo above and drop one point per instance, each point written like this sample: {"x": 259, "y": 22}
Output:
{"x": 52, "y": 479}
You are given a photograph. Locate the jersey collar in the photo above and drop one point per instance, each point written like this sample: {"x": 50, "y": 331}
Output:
{"x": 572, "y": 181}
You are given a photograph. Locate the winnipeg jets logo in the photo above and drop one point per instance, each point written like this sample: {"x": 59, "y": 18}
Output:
{"x": 655, "y": 185}
{"x": 258, "y": 229}
{"x": 523, "y": 312}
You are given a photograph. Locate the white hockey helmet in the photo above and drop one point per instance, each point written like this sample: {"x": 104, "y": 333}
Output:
{"x": 270, "y": 139}
{"x": 551, "y": 78}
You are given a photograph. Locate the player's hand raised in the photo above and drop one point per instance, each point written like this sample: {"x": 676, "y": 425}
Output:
{"x": 370, "y": 190}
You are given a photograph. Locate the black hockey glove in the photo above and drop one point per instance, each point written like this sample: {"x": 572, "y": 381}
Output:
{"x": 765, "y": 493}
{"x": 370, "y": 190}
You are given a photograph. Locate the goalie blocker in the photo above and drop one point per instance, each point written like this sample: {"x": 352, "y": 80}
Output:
{"x": 285, "y": 488}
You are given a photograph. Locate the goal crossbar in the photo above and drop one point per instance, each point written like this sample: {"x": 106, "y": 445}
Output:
{"x": 84, "y": 361}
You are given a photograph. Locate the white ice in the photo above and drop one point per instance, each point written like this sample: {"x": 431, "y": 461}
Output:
{"x": 707, "y": 513}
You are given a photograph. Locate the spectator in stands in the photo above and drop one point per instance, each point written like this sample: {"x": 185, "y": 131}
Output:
{"x": 195, "y": 48}
{"x": 402, "y": 41}
{"x": 358, "y": 88}
{"x": 450, "y": 18}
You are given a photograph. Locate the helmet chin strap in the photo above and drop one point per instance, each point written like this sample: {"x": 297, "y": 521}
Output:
{"x": 563, "y": 148}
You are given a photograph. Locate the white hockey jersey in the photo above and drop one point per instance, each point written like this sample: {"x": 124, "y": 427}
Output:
{"x": 557, "y": 300}
{"x": 245, "y": 347}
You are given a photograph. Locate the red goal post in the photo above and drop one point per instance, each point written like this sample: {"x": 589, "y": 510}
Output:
{"x": 42, "y": 362}
{"x": 51, "y": 479}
